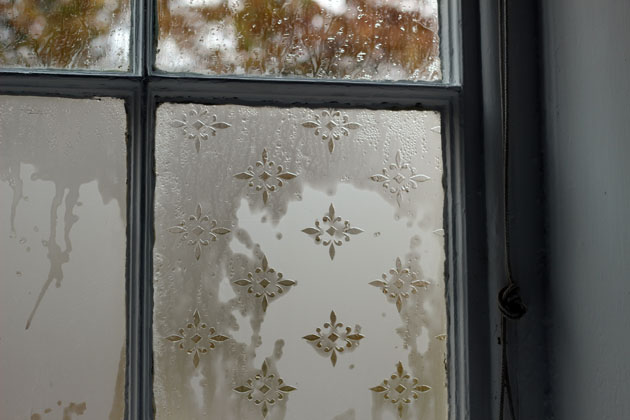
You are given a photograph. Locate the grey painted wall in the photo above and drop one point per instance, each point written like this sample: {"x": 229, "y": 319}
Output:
{"x": 586, "y": 70}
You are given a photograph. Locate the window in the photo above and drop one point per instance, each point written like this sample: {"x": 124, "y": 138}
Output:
{"x": 248, "y": 209}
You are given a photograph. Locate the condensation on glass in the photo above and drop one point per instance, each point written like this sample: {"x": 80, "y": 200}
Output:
{"x": 339, "y": 39}
{"x": 65, "y": 34}
{"x": 62, "y": 258}
{"x": 299, "y": 264}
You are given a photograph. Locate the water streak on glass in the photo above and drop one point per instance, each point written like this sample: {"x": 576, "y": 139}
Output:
{"x": 299, "y": 264}
{"x": 62, "y": 258}
{"x": 336, "y": 39}
{"x": 65, "y": 34}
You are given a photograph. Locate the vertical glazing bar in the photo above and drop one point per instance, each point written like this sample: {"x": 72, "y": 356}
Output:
{"x": 474, "y": 234}
{"x": 148, "y": 185}
{"x": 150, "y": 35}
{"x": 134, "y": 256}
{"x": 138, "y": 37}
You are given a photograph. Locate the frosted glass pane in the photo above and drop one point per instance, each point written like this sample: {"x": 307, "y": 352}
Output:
{"x": 298, "y": 264}
{"x": 62, "y": 258}
{"x": 65, "y": 34}
{"x": 338, "y": 39}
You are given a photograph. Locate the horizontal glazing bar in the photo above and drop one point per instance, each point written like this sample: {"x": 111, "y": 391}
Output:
{"x": 233, "y": 90}
{"x": 293, "y": 92}
{"x": 80, "y": 86}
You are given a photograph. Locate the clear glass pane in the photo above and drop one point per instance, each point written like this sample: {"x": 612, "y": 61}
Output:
{"x": 299, "y": 264}
{"x": 338, "y": 39}
{"x": 62, "y": 258}
{"x": 65, "y": 34}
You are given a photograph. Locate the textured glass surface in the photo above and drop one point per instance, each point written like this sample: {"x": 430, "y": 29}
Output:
{"x": 62, "y": 258}
{"x": 338, "y": 39}
{"x": 65, "y": 34}
{"x": 299, "y": 264}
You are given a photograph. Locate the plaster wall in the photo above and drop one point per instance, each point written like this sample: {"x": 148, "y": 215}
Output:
{"x": 586, "y": 72}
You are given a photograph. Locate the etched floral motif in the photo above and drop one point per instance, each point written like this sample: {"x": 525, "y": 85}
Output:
{"x": 331, "y": 125}
{"x": 198, "y": 230}
{"x": 399, "y": 177}
{"x": 265, "y": 388}
{"x": 334, "y": 338}
{"x": 197, "y": 338}
{"x": 265, "y": 283}
{"x": 197, "y": 124}
{"x": 265, "y": 176}
{"x": 401, "y": 389}
{"x": 334, "y": 230}
{"x": 399, "y": 283}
